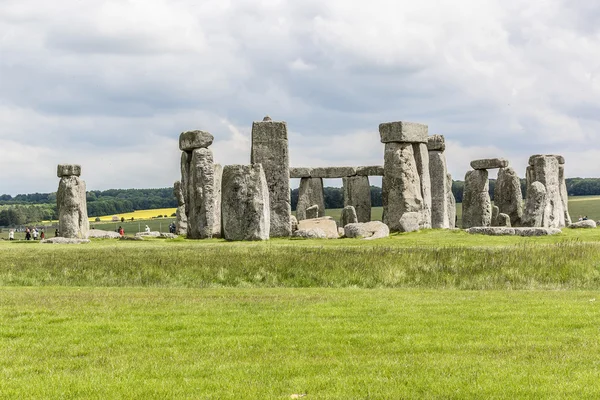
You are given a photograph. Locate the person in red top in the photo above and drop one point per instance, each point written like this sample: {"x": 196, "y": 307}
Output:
{"x": 121, "y": 231}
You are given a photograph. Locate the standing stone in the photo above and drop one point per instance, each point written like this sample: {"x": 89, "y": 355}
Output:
{"x": 422, "y": 160}
{"x": 504, "y": 220}
{"x": 401, "y": 191}
{"x": 357, "y": 193}
{"x": 508, "y": 196}
{"x": 451, "y": 202}
{"x": 477, "y": 206}
{"x": 535, "y": 205}
{"x": 71, "y": 203}
{"x": 495, "y": 212}
{"x": 245, "y": 203}
{"x": 545, "y": 169}
{"x": 348, "y": 216}
{"x": 310, "y": 193}
{"x": 181, "y": 227}
{"x": 564, "y": 196}
{"x": 218, "y": 177}
{"x": 186, "y": 157}
{"x": 438, "y": 174}
{"x": 270, "y": 148}
{"x": 312, "y": 212}
{"x": 201, "y": 195}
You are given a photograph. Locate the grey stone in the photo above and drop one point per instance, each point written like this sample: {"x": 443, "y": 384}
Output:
{"x": 545, "y": 170}
{"x": 181, "y": 217}
{"x": 401, "y": 192}
{"x": 586, "y": 224}
{"x": 564, "y": 196}
{"x": 102, "y": 234}
{"x": 489, "y": 163}
{"x": 368, "y": 230}
{"x": 560, "y": 159}
{"x": 167, "y": 235}
{"x": 371, "y": 170}
{"x": 503, "y": 220}
{"x": 326, "y": 224}
{"x": 270, "y": 148}
{"x": 314, "y": 233}
{"x": 68, "y": 170}
{"x": 312, "y": 212}
{"x": 403, "y": 132}
{"x": 332, "y": 172}
{"x": 535, "y": 205}
{"x": 451, "y": 202}
{"x": 409, "y": 222}
{"x": 300, "y": 172}
{"x": 63, "y": 240}
{"x": 310, "y": 193}
{"x": 477, "y": 205}
{"x": 495, "y": 212}
{"x": 422, "y": 160}
{"x": 508, "y": 196}
{"x": 438, "y": 174}
{"x": 436, "y": 143}
{"x": 138, "y": 238}
{"x": 192, "y": 140}
{"x": 340, "y": 231}
{"x": 507, "y": 231}
{"x": 525, "y": 231}
{"x": 348, "y": 216}
{"x": 148, "y": 234}
{"x": 201, "y": 195}
{"x": 185, "y": 181}
{"x": 71, "y": 205}
{"x": 245, "y": 203}
{"x": 357, "y": 193}
{"x": 218, "y": 177}
{"x": 293, "y": 224}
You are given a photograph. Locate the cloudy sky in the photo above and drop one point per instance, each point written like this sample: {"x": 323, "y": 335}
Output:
{"x": 111, "y": 84}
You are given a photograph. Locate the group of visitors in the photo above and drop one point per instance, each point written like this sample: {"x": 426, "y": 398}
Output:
{"x": 30, "y": 234}
{"x": 584, "y": 218}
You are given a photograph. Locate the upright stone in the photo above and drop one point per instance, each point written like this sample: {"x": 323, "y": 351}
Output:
{"x": 357, "y": 193}
{"x": 348, "y": 216}
{"x": 312, "y": 212}
{"x": 508, "y": 196}
{"x": 201, "y": 195}
{"x": 245, "y": 203}
{"x": 186, "y": 157}
{"x": 495, "y": 213}
{"x": 477, "y": 206}
{"x": 564, "y": 196}
{"x": 310, "y": 193}
{"x": 438, "y": 174}
{"x": 451, "y": 202}
{"x": 71, "y": 203}
{"x": 270, "y": 148}
{"x": 422, "y": 160}
{"x": 217, "y": 198}
{"x": 535, "y": 205}
{"x": 545, "y": 169}
{"x": 181, "y": 226}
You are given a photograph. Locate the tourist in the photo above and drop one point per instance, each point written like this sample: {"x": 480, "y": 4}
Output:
{"x": 11, "y": 234}
{"x": 27, "y": 234}
{"x": 121, "y": 231}
{"x": 147, "y": 229}
{"x": 585, "y": 217}
{"x": 35, "y": 233}
{"x": 56, "y": 232}
{"x": 42, "y": 235}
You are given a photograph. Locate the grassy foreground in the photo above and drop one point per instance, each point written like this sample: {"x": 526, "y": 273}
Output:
{"x": 272, "y": 343}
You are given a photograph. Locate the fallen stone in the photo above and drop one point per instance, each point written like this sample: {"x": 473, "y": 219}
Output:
{"x": 588, "y": 223}
{"x": 508, "y": 196}
{"x": 477, "y": 205}
{"x": 131, "y": 238}
{"x": 245, "y": 203}
{"x": 503, "y": 220}
{"x": 192, "y": 140}
{"x": 489, "y": 163}
{"x": 332, "y": 172}
{"x": 403, "y": 132}
{"x": 63, "y": 240}
{"x": 357, "y": 193}
{"x": 68, "y": 170}
{"x": 368, "y": 230}
{"x": 310, "y": 193}
{"x": 348, "y": 216}
{"x": 409, "y": 222}
{"x": 148, "y": 234}
{"x": 312, "y": 212}
{"x": 327, "y": 224}
{"x": 315, "y": 233}
{"x": 506, "y": 231}
{"x": 101, "y": 234}
{"x": 372, "y": 170}
{"x": 436, "y": 143}
{"x": 167, "y": 235}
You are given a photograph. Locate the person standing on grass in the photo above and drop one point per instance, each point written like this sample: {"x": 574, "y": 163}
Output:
{"x": 56, "y": 232}
{"x": 42, "y": 235}
{"x": 147, "y": 229}
{"x": 35, "y": 233}
{"x": 121, "y": 231}
{"x": 11, "y": 234}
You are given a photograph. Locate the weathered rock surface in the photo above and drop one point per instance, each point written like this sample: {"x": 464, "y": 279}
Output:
{"x": 101, "y": 234}
{"x": 335, "y": 172}
{"x": 545, "y": 169}
{"x": 403, "y": 132}
{"x": 326, "y": 224}
{"x": 192, "y": 140}
{"x": 504, "y": 220}
{"x": 71, "y": 205}
{"x": 409, "y": 222}
{"x": 368, "y": 230}
{"x": 201, "y": 195}
{"x": 314, "y": 233}
{"x": 401, "y": 192}
{"x": 181, "y": 217}
{"x": 167, "y": 235}
{"x": 508, "y": 196}
{"x": 451, "y": 202}
{"x": 293, "y": 224}
{"x": 489, "y": 163}
{"x": 310, "y": 193}
{"x": 588, "y": 223}
{"x": 348, "y": 216}
{"x": 357, "y": 193}
{"x": 148, "y": 234}
{"x": 218, "y": 177}
{"x": 564, "y": 196}
{"x": 300, "y": 172}
{"x": 312, "y": 212}
{"x": 495, "y": 212}
{"x": 505, "y": 231}
{"x": 477, "y": 205}
{"x": 436, "y": 143}
{"x": 560, "y": 159}
{"x": 68, "y": 170}
{"x": 371, "y": 170}
{"x": 422, "y": 160}
{"x": 535, "y": 205}
{"x": 270, "y": 148}
{"x": 245, "y": 203}
{"x": 64, "y": 240}
{"x": 138, "y": 238}
{"x": 438, "y": 174}
{"x": 332, "y": 172}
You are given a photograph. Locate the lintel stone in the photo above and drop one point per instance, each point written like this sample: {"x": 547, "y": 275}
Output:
{"x": 436, "y": 143}
{"x": 68, "y": 170}
{"x": 191, "y": 140}
{"x": 489, "y": 163}
{"x": 403, "y": 132}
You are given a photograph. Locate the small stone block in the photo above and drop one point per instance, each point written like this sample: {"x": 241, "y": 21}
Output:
{"x": 191, "y": 140}
{"x": 403, "y": 132}
{"x": 436, "y": 143}
{"x": 68, "y": 170}
{"x": 489, "y": 163}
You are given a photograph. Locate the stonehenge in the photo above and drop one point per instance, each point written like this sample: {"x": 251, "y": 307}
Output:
{"x": 357, "y": 193}
{"x": 310, "y": 193}
{"x": 71, "y": 203}
{"x": 477, "y": 205}
{"x": 508, "y": 196}
{"x": 442, "y": 200}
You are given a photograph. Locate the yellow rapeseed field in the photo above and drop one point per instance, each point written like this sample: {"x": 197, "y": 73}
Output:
{"x": 139, "y": 214}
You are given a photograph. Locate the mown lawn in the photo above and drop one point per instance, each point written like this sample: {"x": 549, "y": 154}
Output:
{"x": 150, "y": 343}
